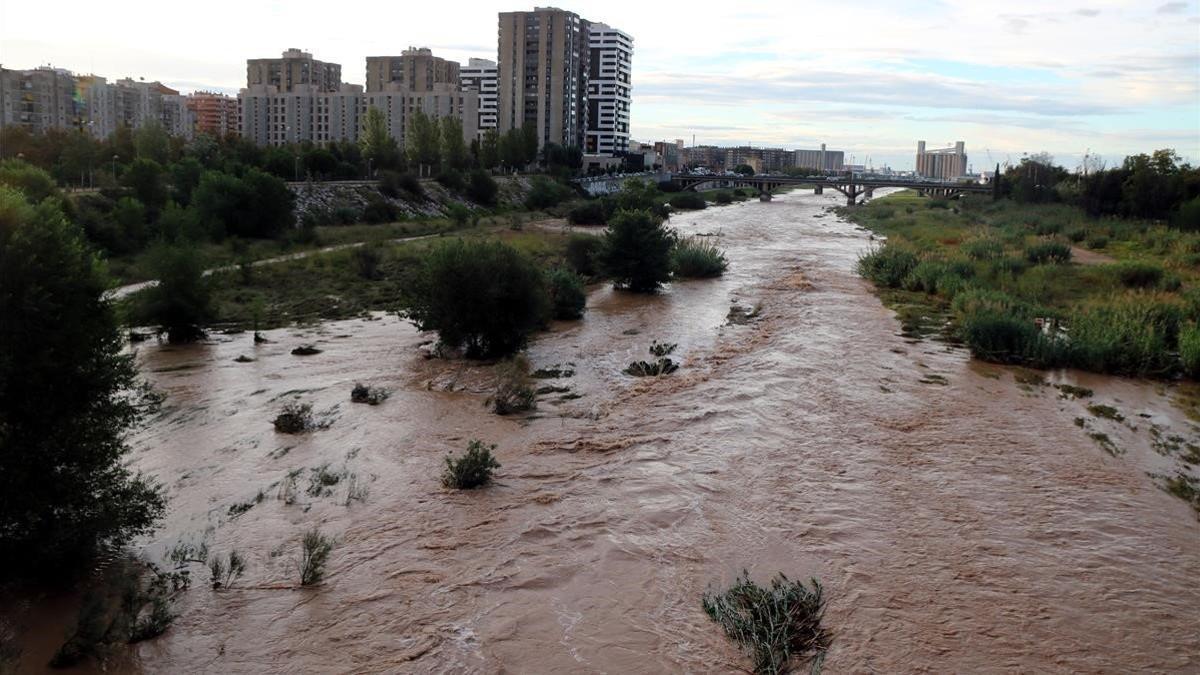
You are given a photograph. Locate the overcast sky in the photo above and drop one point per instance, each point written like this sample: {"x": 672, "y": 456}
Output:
{"x": 1112, "y": 76}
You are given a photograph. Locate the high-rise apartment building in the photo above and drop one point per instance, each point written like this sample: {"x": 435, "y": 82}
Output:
{"x": 542, "y": 73}
{"x": 480, "y": 76}
{"x": 608, "y": 87}
{"x": 39, "y": 99}
{"x": 215, "y": 114}
{"x": 415, "y": 70}
{"x": 943, "y": 163}
{"x": 820, "y": 160}
{"x": 294, "y": 69}
{"x": 137, "y": 103}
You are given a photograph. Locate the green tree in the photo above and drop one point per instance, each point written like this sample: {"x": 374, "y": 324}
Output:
{"x": 152, "y": 142}
{"x": 481, "y": 188}
{"x": 180, "y": 304}
{"x": 129, "y": 215}
{"x": 145, "y": 178}
{"x": 483, "y": 296}
{"x": 636, "y": 253}
{"x": 454, "y": 150}
{"x": 34, "y": 183}
{"x": 744, "y": 169}
{"x": 377, "y": 143}
{"x": 256, "y": 205}
{"x": 529, "y": 144}
{"x": 489, "y": 149}
{"x": 67, "y": 401}
{"x": 185, "y": 176}
{"x": 424, "y": 142}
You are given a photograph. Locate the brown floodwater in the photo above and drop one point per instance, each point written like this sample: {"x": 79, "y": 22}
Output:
{"x": 959, "y": 520}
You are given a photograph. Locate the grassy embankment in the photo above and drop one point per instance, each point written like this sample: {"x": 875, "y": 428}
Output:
{"x": 1040, "y": 285}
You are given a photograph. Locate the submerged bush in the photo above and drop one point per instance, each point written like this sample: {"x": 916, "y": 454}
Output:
{"x": 514, "y": 388}
{"x": 314, "y": 553}
{"x": 484, "y": 296}
{"x": 567, "y": 296}
{"x": 1048, "y": 252}
{"x": 661, "y": 365}
{"x": 224, "y": 571}
{"x": 295, "y": 418}
{"x": 697, "y": 258}
{"x": 772, "y": 624}
{"x": 724, "y": 197}
{"x": 361, "y": 393}
{"x": 473, "y": 469}
{"x": 887, "y": 266}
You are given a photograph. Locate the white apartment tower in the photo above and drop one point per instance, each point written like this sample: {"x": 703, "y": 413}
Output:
{"x": 480, "y": 75}
{"x": 609, "y": 71}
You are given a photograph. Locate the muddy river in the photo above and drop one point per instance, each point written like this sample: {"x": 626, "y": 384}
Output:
{"x": 961, "y": 521}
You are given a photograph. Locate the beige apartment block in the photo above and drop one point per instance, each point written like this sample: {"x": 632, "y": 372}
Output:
{"x": 542, "y": 74}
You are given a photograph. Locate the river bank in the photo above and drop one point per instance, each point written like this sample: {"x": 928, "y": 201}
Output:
{"x": 959, "y": 519}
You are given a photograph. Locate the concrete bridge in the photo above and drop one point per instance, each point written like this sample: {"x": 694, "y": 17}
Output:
{"x": 849, "y": 185}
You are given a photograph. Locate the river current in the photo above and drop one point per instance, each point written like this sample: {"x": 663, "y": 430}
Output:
{"x": 958, "y": 520}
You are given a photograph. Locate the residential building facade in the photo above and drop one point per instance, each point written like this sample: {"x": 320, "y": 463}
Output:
{"x": 295, "y": 69}
{"x": 415, "y": 70}
{"x": 610, "y": 69}
{"x": 39, "y": 99}
{"x": 943, "y": 163}
{"x": 542, "y": 74}
{"x": 480, "y": 76}
{"x": 214, "y": 114}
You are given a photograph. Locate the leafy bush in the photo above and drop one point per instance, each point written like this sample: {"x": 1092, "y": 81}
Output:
{"x": 636, "y": 252}
{"x": 668, "y": 186}
{"x": 389, "y": 183}
{"x": 451, "y": 180}
{"x": 485, "y": 296}
{"x": 1136, "y": 274}
{"x": 688, "y": 200}
{"x": 256, "y": 204}
{"x": 380, "y": 210}
{"x": 411, "y": 184}
{"x": 514, "y": 387}
{"x": 545, "y": 193}
{"x": 314, "y": 554}
{"x": 473, "y": 469}
{"x": 295, "y": 418}
{"x": 1077, "y": 234}
{"x": 724, "y": 197}
{"x": 697, "y": 258}
{"x": 366, "y": 260}
{"x": 591, "y": 212}
{"x": 772, "y": 624}
{"x": 1097, "y": 242}
{"x": 481, "y": 188}
{"x": 887, "y": 266}
{"x": 1048, "y": 252}
{"x": 567, "y": 296}
{"x": 581, "y": 253}
{"x": 661, "y": 365}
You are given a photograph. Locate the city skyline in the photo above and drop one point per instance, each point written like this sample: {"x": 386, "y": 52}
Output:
{"x": 1112, "y": 77}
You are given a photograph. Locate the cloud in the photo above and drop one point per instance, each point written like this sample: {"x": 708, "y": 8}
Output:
{"x": 1088, "y": 12}
{"x": 1173, "y": 8}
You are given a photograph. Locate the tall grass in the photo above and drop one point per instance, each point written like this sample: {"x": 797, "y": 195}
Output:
{"x": 773, "y": 624}
{"x": 1189, "y": 350}
{"x": 1131, "y": 335}
{"x": 697, "y": 258}
{"x": 887, "y": 266}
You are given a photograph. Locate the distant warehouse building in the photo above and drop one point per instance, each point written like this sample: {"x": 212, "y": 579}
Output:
{"x": 820, "y": 160}
{"x": 946, "y": 163}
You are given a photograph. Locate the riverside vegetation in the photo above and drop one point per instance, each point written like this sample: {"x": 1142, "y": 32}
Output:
{"x": 1002, "y": 275}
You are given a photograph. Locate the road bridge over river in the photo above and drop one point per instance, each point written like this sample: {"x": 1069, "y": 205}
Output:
{"x": 851, "y": 186}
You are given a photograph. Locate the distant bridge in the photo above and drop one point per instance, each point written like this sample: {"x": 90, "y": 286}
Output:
{"x": 847, "y": 184}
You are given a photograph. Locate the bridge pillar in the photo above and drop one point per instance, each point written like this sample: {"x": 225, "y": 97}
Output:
{"x": 819, "y": 190}
{"x": 870, "y": 193}
{"x": 851, "y": 198}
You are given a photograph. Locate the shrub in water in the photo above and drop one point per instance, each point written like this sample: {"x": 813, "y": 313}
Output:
{"x": 661, "y": 365}
{"x": 636, "y": 253}
{"x": 567, "y": 297}
{"x": 688, "y": 200}
{"x": 773, "y": 624}
{"x": 361, "y": 393}
{"x": 296, "y": 418}
{"x": 724, "y": 197}
{"x": 473, "y": 469}
{"x": 697, "y": 258}
{"x": 1048, "y": 252}
{"x": 314, "y": 553}
{"x": 887, "y": 266}
{"x": 514, "y": 388}
{"x": 581, "y": 253}
{"x": 1135, "y": 274}
{"x": 484, "y": 296}
{"x": 224, "y": 571}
